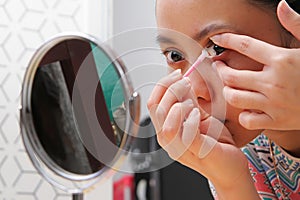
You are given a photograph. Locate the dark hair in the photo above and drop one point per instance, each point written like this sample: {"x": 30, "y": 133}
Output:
{"x": 295, "y": 4}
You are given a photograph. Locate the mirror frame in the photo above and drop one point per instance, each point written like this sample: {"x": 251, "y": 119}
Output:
{"x": 42, "y": 162}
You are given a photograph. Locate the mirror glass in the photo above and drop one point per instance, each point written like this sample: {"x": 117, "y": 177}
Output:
{"x": 77, "y": 109}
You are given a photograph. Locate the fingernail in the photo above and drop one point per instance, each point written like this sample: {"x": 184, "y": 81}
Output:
{"x": 225, "y": 92}
{"x": 176, "y": 73}
{"x": 189, "y": 102}
{"x": 216, "y": 38}
{"x": 187, "y": 80}
{"x": 289, "y": 8}
{"x": 193, "y": 123}
{"x": 285, "y": 8}
{"x": 195, "y": 112}
{"x": 214, "y": 66}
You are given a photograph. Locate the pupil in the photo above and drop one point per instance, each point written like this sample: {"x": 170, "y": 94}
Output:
{"x": 176, "y": 56}
{"x": 218, "y": 49}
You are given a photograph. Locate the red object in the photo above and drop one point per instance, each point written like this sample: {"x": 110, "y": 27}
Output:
{"x": 124, "y": 188}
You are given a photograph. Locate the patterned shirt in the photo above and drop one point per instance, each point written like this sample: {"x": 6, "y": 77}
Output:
{"x": 266, "y": 173}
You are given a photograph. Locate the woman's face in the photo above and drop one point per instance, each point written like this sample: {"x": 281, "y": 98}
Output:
{"x": 201, "y": 19}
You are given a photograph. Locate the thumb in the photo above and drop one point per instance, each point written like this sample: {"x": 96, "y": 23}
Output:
{"x": 216, "y": 129}
{"x": 289, "y": 19}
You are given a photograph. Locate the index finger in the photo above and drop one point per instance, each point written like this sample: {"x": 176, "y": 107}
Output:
{"x": 162, "y": 86}
{"x": 253, "y": 48}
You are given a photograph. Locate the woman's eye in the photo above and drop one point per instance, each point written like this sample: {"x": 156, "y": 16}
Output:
{"x": 174, "y": 56}
{"x": 215, "y": 50}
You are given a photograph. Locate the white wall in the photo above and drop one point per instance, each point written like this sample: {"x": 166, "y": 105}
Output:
{"x": 25, "y": 25}
{"x": 145, "y": 67}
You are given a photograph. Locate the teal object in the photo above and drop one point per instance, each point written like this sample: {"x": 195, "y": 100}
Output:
{"x": 109, "y": 79}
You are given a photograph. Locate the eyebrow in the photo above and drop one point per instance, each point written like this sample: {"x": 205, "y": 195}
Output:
{"x": 163, "y": 39}
{"x": 199, "y": 36}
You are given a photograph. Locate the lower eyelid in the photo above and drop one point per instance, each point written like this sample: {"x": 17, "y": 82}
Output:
{"x": 178, "y": 65}
{"x": 222, "y": 57}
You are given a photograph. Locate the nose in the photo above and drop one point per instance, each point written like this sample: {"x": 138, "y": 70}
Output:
{"x": 201, "y": 80}
{"x": 199, "y": 86}
{"x": 208, "y": 87}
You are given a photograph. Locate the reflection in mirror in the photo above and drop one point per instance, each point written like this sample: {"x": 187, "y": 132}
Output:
{"x": 62, "y": 110}
{"x": 52, "y": 107}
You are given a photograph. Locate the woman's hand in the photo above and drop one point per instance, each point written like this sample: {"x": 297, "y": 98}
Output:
{"x": 183, "y": 131}
{"x": 271, "y": 97}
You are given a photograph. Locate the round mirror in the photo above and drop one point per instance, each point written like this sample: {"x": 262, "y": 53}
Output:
{"x": 78, "y": 111}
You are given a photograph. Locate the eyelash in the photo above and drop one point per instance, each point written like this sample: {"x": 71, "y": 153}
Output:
{"x": 213, "y": 47}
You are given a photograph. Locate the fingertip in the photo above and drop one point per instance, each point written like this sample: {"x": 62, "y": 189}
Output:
{"x": 243, "y": 119}
{"x": 175, "y": 73}
{"x": 225, "y": 91}
{"x": 284, "y": 10}
{"x": 187, "y": 80}
{"x": 217, "y": 66}
{"x": 252, "y": 120}
{"x": 193, "y": 118}
{"x": 221, "y": 39}
{"x": 190, "y": 127}
{"x": 216, "y": 38}
{"x": 195, "y": 113}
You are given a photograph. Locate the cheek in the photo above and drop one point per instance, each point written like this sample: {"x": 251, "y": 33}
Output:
{"x": 236, "y": 60}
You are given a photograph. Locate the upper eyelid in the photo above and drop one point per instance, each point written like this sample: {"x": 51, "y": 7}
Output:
{"x": 165, "y": 50}
{"x": 209, "y": 43}
{"x": 173, "y": 49}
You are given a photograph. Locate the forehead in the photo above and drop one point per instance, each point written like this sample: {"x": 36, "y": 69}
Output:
{"x": 190, "y": 5}
{"x": 170, "y": 12}
{"x": 192, "y": 16}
